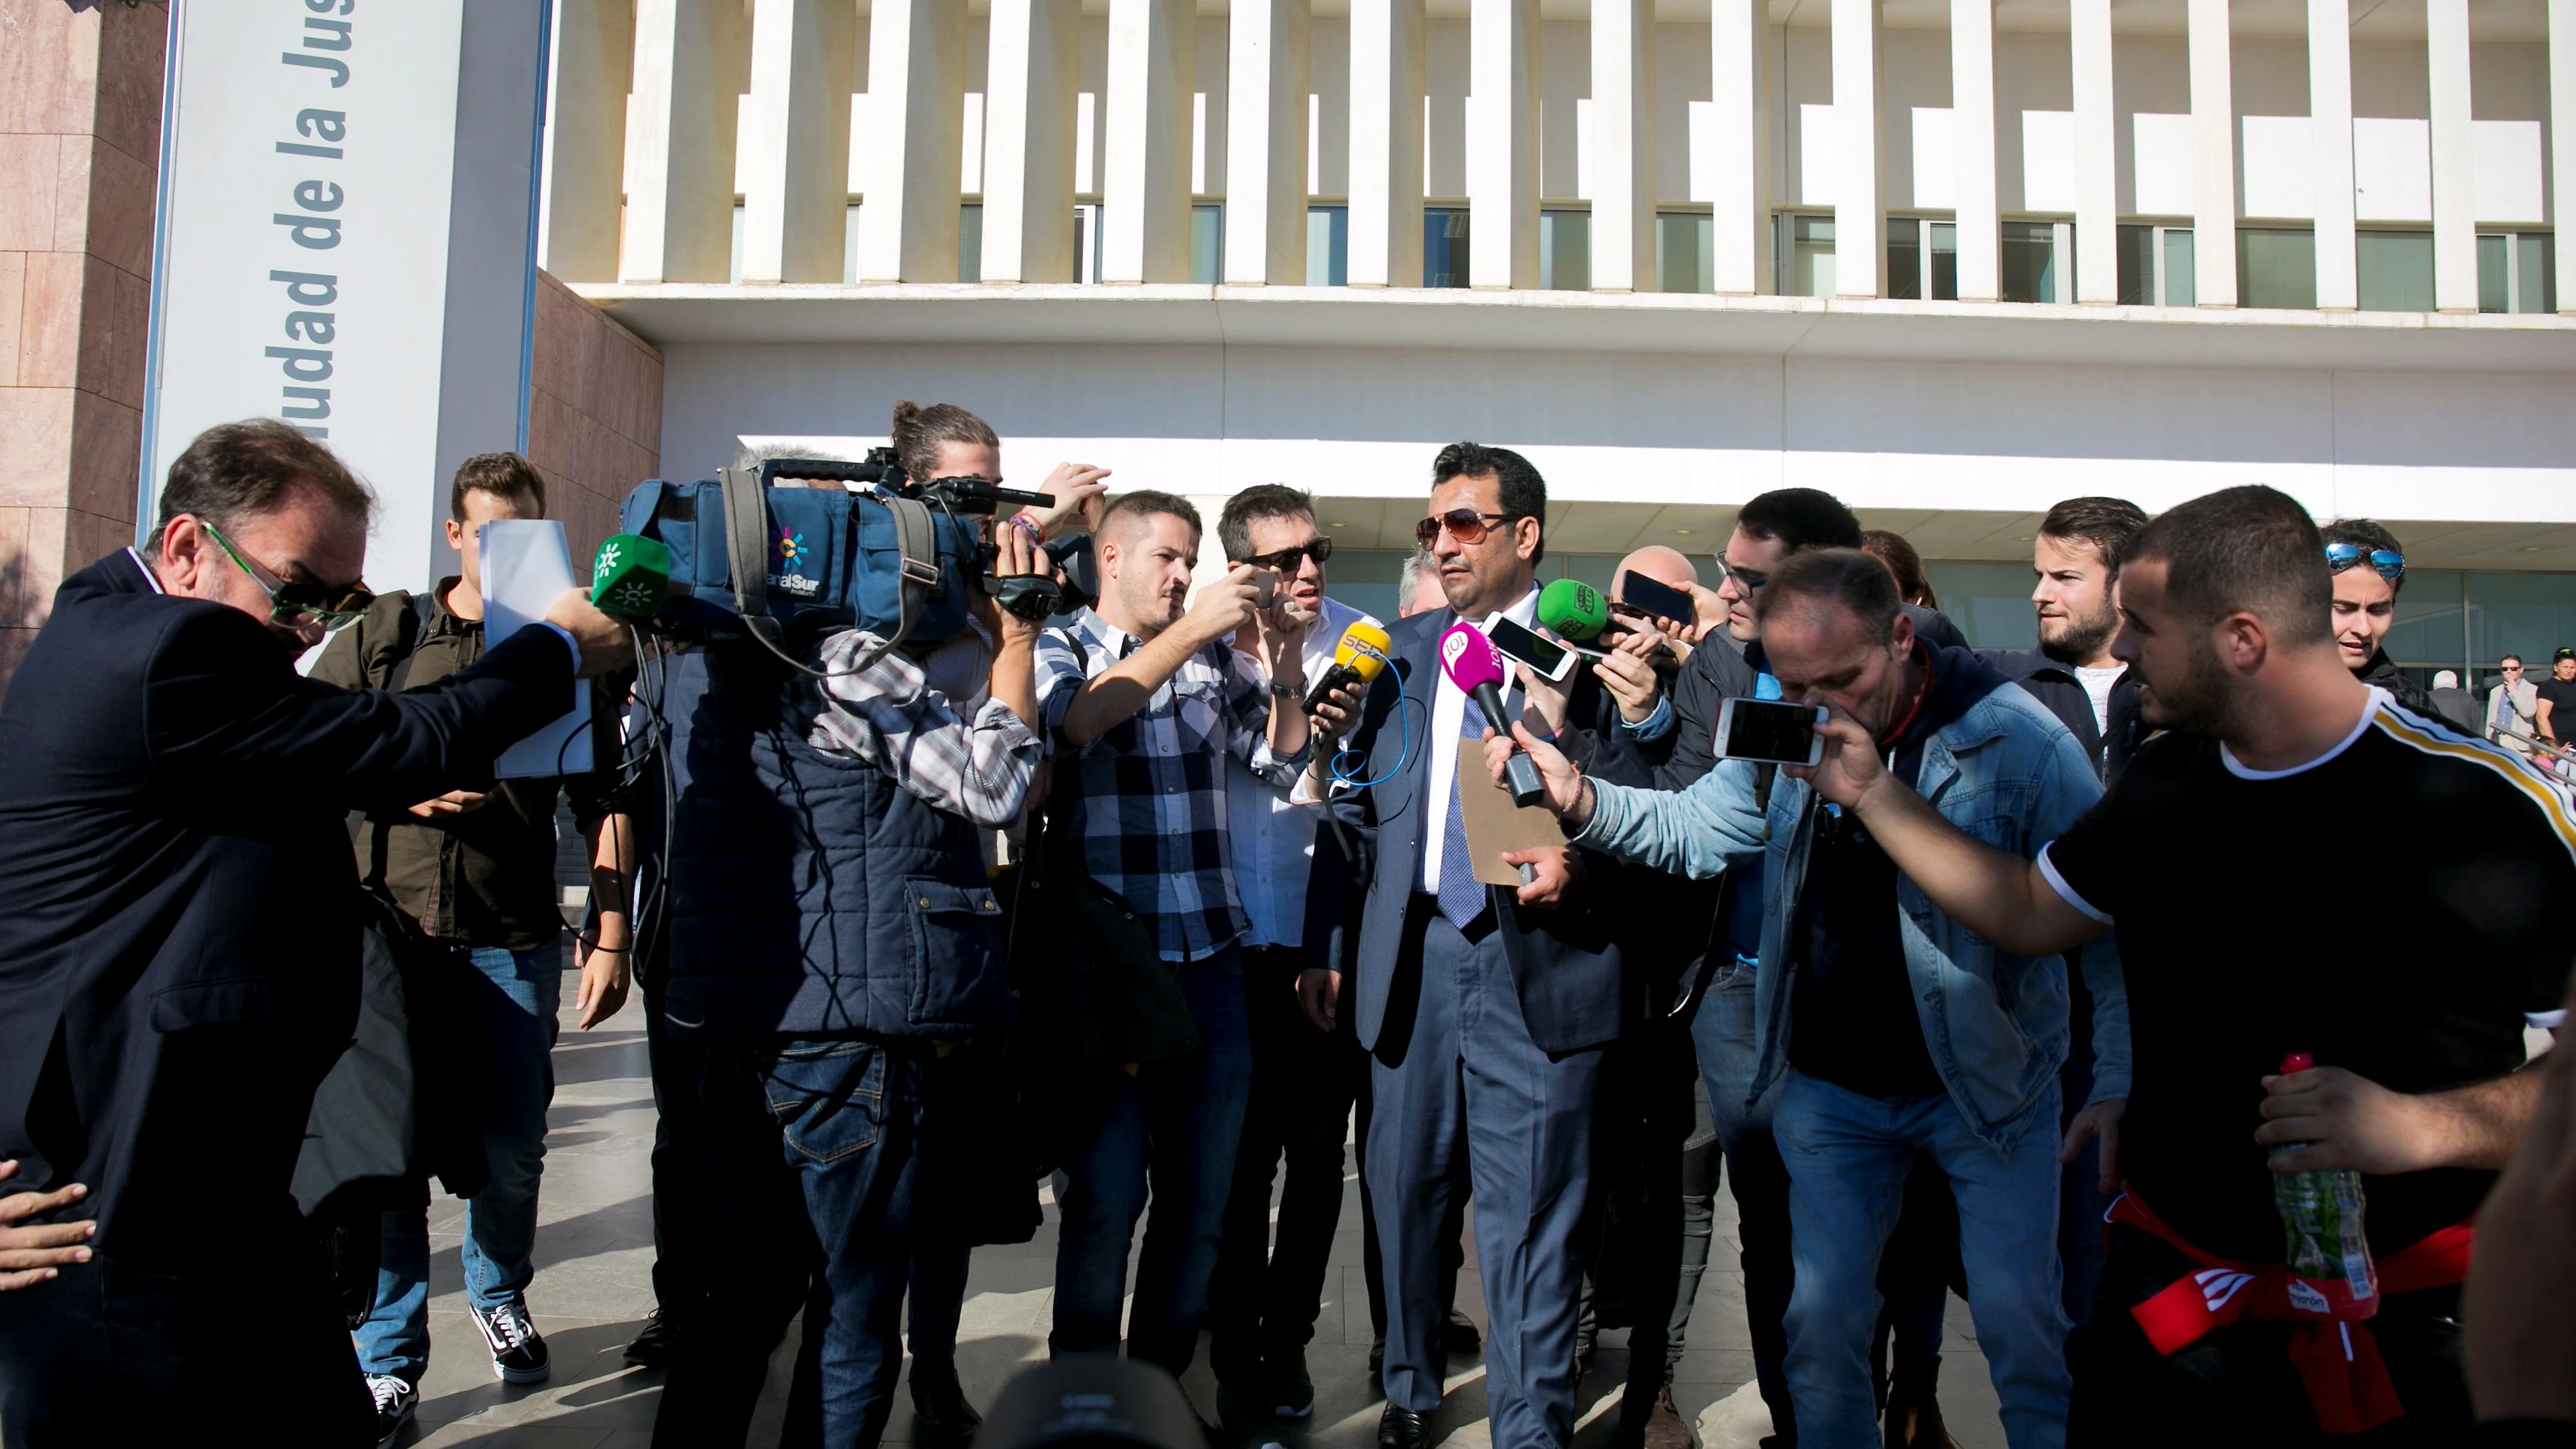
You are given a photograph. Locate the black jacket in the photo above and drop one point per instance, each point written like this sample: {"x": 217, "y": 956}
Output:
{"x": 2388, "y": 676}
{"x": 179, "y": 919}
{"x": 2054, "y": 684}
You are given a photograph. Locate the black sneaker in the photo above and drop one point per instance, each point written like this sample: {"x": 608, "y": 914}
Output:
{"x": 941, "y": 1412}
{"x": 395, "y": 1399}
{"x": 518, "y": 1352}
{"x": 1292, "y": 1390}
{"x": 654, "y": 1343}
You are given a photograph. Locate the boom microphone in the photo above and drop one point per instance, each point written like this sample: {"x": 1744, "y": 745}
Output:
{"x": 1472, "y": 664}
{"x": 1572, "y": 609}
{"x": 1359, "y": 658}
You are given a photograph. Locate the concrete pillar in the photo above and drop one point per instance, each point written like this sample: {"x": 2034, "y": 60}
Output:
{"x": 1030, "y": 104}
{"x": 2455, "y": 202}
{"x": 679, "y": 194}
{"x": 1502, "y": 143}
{"x": 1972, "y": 133}
{"x": 2330, "y": 148}
{"x": 1860, "y": 188}
{"x": 915, "y": 135}
{"x": 2562, "y": 137}
{"x": 1269, "y": 55}
{"x": 593, "y": 57}
{"x": 1386, "y": 143}
{"x": 1740, "y": 135}
{"x": 796, "y": 190}
{"x": 2213, "y": 155}
{"x": 1145, "y": 183}
{"x": 2097, "y": 189}
{"x": 1623, "y": 145}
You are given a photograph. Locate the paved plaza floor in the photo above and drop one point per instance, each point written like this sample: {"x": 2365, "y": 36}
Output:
{"x": 593, "y": 1287}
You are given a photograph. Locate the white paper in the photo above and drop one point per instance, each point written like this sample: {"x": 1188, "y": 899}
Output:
{"x": 527, "y": 566}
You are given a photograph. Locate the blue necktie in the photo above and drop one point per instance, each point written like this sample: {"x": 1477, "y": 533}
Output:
{"x": 1462, "y": 896}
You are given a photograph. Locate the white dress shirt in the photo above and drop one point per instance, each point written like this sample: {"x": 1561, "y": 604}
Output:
{"x": 1448, "y": 713}
{"x": 1271, "y": 839}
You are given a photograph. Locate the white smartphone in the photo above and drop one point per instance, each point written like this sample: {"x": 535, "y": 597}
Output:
{"x": 1551, "y": 660}
{"x": 1772, "y": 731}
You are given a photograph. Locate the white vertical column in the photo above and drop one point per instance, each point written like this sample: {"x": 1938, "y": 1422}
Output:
{"x": 1270, "y": 60}
{"x": 2097, "y": 178}
{"x": 1623, "y": 145}
{"x": 916, "y": 116}
{"x": 2330, "y": 150}
{"x": 2455, "y": 202}
{"x": 2562, "y": 141}
{"x": 1740, "y": 134}
{"x": 1145, "y": 181}
{"x": 1502, "y": 143}
{"x": 1972, "y": 125}
{"x": 1029, "y": 111}
{"x": 1386, "y": 143}
{"x": 2213, "y": 155}
{"x": 679, "y": 201}
{"x": 796, "y": 189}
{"x": 1860, "y": 191}
{"x": 593, "y": 55}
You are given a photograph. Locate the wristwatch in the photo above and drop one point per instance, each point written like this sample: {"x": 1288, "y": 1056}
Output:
{"x": 1279, "y": 690}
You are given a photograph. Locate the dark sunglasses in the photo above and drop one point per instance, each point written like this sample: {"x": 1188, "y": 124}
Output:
{"x": 1464, "y": 524}
{"x": 1289, "y": 560}
{"x": 292, "y": 601}
{"x": 2341, "y": 556}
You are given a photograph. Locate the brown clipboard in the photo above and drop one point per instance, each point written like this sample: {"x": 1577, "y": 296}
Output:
{"x": 1494, "y": 824}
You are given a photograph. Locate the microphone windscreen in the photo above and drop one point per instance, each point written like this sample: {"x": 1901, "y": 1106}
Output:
{"x": 1469, "y": 658}
{"x": 1573, "y": 609}
{"x": 631, "y": 576}
{"x": 1363, "y": 648}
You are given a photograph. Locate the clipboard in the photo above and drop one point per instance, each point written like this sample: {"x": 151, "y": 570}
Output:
{"x": 1494, "y": 824}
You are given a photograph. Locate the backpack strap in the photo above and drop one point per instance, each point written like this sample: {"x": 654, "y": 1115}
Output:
{"x": 917, "y": 537}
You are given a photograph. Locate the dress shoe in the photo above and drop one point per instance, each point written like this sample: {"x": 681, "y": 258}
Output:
{"x": 1914, "y": 1422}
{"x": 1402, "y": 1429}
{"x": 1665, "y": 1427}
{"x": 940, "y": 1410}
{"x": 654, "y": 1343}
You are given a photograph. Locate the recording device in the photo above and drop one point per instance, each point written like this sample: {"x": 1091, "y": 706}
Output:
{"x": 1552, "y": 660}
{"x": 1656, "y": 599}
{"x": 1472, "y": 663}
{"x": 1770, "y": 731}
{"x": 1092, "y": 1403}
{"x": 1036, "y": 596}
{"x": 1265, "y": 587}
{"x": 1359, "y": 658}
{"x": 1573, "y": 609}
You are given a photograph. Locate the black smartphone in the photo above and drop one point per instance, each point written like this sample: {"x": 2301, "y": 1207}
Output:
{"x": 1772, "y": 731}
{"x": 1655, "y": 598}
{"x": 1552, "y": 660}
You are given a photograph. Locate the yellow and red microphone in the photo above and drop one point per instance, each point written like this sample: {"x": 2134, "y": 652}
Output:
{"x": 1359, "y": 658}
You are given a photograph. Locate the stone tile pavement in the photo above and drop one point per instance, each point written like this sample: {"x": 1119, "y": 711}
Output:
{"x": 593, "y": 1287}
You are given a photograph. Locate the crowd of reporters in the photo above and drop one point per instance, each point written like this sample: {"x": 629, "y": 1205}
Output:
{"x": 1150, "y": 898}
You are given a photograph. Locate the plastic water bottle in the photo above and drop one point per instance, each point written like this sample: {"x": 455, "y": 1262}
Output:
{"x": 2332, "y": 1275}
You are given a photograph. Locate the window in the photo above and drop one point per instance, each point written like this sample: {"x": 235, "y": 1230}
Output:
{"x": 2395, "y": 269}
{"x": 2530, "y": 614}
{"x": 2038, "y": 261}
{"x": 1685, "y": 252}
{"x": 1804, "y": 254}
{"x": 970, "y": 242}
{"x": 1911, "y": 241}
{"x": 2155, "y": 266}
{"x": 1990, "y": 602}
{"x": 733, "y": 266}
{"x": 1444, "y": 246}
{"x": 2514, "y": 274}
{"x": 1086, "y": 242}
{"x": 2276, "y": 267}
{"x": 850, "y": 244}
{"x": 1565, "y": 250}
{"x": 1328, "y": 246}
{"x": 1207, "y": 243}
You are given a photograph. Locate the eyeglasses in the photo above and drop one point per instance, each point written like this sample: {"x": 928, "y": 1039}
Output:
{"x": 1289, "y": 560}
{"x": 291, "y": 602}
{"x": 2341, "y": 556}
{"x": 1464, "y": 524}
{"x": 1745, "y": 579}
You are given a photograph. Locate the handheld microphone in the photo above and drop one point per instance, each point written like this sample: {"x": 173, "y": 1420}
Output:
{"x": 1359, "y": 658}
{"x": 631, "y": 576}
{"x": 1472, "y": 663}
{"x": 1573, "y": 609}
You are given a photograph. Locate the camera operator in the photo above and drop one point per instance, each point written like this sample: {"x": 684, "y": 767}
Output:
{"x": 179, "y": 934}
{"x": 830, "y": 937}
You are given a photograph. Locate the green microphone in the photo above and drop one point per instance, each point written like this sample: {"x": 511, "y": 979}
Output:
{"x": 1573, "y": 609}
{"x": 631, "y": 576}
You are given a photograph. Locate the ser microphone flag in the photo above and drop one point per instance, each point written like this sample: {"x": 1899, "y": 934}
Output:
{"x": 1475, "y": 666}
{"x": 1359, "y": 658}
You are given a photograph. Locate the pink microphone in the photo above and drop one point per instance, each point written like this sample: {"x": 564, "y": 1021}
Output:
{"x": 1475, "y": 666}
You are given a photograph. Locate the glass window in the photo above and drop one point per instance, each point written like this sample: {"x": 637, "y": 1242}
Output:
{"x": 2536, "y": 281}
{"x": 1444, "y": 246}
{"x": 1565, "y": 250}
{"x": 2276, "y": 267}
{"x": 970, "y": 242}
{"x": 2395, "y": 269}
{"x": 1905, "y": 258}
{"x": 1990, "y": 602}
{"x": 1328, "y": 246}
{"x": 850, "y": 244}
{"x": 2137, "y": 248}
{"x": 1685, "y": 252}
{"x": 2530, "y": 614}
{"x": 733, "y": 267}
{"x": 1942, "y": 238}
{"x": 2495, "y": 274}
{"x": 2427, "y": 631}
{"x": 2030, "y": 261}
{"x": 1806, "y": 255}
{"x": 2181, "y": 279}
{"x": 1207, "y": 242}
{"x": 1365, "y": 579}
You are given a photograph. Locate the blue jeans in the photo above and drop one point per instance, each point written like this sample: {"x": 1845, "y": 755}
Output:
{"x": 1848, "y": 1156}
{"x": 515, "y": 1001}
{"x": 1722, "y": 1032}
{"x": 1172, "y": 1127}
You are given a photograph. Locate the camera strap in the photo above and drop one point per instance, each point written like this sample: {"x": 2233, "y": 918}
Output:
{"x": 917, "y": 538}
{"x": 747, "y": 550}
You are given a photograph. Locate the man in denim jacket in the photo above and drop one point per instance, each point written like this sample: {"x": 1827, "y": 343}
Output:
{"x": 1898, "y": 1030}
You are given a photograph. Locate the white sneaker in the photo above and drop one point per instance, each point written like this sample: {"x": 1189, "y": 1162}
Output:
{"x": 395, "y": 1399}
{"x": 518, "y": 1352}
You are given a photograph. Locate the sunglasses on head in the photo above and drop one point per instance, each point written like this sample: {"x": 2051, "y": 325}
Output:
{"x": 1289, "y": 560}
{"x": 1464, "y": 524}
{"x": 292, "y": 601}
{"x": 2341, "y": 556}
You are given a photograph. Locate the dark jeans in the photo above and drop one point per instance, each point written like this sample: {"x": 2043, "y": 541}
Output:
{"x": 2080, "y": 1199}
{"x": 683, "y": 1231}
{"x": 1722, "y": 1030}
{"x": 2237, "y": 1385}
{"x": 1646, "y": 1115}
{"x": 1171, "y": 1128}
{"x": 1265, "y": 1295}
{"x": 811, "y": 1145}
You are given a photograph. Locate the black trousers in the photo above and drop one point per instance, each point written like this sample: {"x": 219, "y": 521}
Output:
{"x": 682, "y": 1202}
{"x": 2237, "y": 1384}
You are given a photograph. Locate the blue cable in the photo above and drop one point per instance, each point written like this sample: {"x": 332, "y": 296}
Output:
{"x": 1341, "y": 773}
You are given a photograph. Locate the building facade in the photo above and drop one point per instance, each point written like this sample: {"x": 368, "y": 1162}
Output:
{"x": 1951, "y": 260}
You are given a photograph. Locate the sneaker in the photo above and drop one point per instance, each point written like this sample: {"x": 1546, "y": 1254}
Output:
{"x": 395, "y": 1399}
{"x": 1292, "y": 1390}
{"x": 942, "y": 1414}
{"x": 653, "y": 1343}
{"x": 518, "y": 1352}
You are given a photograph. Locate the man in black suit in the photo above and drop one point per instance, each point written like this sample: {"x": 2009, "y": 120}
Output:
{"x": 179, "y": 935}
{"x": 1485, "y": 1008}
